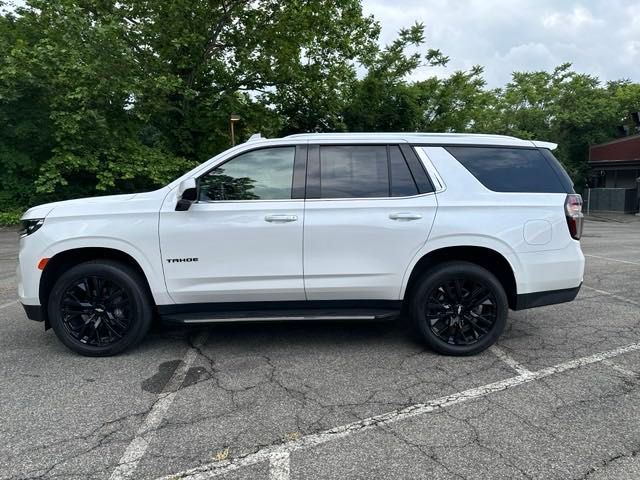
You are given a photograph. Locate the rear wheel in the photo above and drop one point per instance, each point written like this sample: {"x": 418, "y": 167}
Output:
{"x": 100, "y": 308}
{"x": 459, "y": 308}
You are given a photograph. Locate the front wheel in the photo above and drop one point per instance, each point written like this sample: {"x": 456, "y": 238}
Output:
{"x": 459, "y": 308}
{"x": 100, "y": 308}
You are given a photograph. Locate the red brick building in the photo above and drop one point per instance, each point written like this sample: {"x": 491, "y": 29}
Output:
{"x": 615, "y": 164}
{"x": 614, "y": 168}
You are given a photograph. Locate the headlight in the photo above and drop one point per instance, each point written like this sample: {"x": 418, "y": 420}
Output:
{"x": 30, "y": 226}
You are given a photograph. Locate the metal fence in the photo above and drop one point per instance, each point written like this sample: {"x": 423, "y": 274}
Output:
{"x": 620, "y": 200}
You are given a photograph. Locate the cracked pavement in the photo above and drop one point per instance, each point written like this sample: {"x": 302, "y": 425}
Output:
{"x": 255, "y": 386}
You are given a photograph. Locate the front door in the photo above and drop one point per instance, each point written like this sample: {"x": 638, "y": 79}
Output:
{"x": 241, "y": 241}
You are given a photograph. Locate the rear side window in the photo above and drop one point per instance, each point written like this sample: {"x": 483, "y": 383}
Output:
{"x": 510, "y": 169}
{"x": 402, "y": 182}
{"x": 354, "y": 171}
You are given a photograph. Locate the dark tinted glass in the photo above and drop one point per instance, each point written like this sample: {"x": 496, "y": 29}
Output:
{"x": 354, "y": 171}
{"x": 417, "y": 169}
{"x": 565, "y": 179}
{"x": 402, "y": 183}
{"x": 258, "y": 175}
{"x": 509, "y": 169}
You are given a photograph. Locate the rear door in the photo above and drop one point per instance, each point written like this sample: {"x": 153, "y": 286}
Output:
{"x": 369, "y": 210}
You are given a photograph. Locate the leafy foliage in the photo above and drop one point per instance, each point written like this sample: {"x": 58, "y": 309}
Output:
{"x": 105, "y": 96}
{"x": 10, "y": 218}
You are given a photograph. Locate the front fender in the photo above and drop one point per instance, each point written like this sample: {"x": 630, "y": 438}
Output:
{"x": 148, "y": 259}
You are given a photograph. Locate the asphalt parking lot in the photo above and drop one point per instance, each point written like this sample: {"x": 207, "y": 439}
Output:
{"x": 558, "y": 398}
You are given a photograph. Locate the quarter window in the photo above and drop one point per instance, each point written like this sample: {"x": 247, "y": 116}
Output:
{"x": 265, "y": 174}
{"x": 510, "y": 169}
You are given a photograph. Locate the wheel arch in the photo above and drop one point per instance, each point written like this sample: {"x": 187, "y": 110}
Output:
{"x": 485, "y": 257}
{"x": 66, "y": 259}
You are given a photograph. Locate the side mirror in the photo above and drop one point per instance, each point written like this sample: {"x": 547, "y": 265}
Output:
{"x": 187, "y": 194}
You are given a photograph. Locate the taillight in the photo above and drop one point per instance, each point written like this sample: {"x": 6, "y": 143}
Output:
{"x": 573, "y": 210}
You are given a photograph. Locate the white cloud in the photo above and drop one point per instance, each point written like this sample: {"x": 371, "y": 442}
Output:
{"x": 632, "y": 52}
{"x": 600, "y": 37}
{"x": 520, "y": 58}
{"x": 579, "y": 18}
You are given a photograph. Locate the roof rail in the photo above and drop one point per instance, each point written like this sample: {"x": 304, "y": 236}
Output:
{"x": 411, "y": 134}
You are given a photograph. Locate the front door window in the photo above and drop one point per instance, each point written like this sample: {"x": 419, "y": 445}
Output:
{"x": 265, "y": 174}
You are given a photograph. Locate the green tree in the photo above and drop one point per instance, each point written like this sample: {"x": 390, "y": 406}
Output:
{"x": 458, "y": 103}
{"x": 627, "y": 98}
{"x": 383, "y": 100}
{"x": 113, "y": 96}
{"x": 569, "y": 108}
{"x": 135, "y": 92}
{"x": 26, "y": 136}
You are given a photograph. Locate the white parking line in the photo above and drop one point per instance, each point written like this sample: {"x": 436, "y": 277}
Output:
{"x": 279, "y": 466}
{"x": 620, "y": 369}
{"x": 272, "y": 454}
{"x": 5, "y": 305}
{"x": 144, "y": 436}
{"x": 613, "y": 295}
{"x": 612, "y": 259}
{"x": 502, "y": 355}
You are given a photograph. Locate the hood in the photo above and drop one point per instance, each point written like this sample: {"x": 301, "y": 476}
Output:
{"x": 41, "y": 211}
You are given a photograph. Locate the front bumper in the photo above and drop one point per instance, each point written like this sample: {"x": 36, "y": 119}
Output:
{"x": 550, "y": 297}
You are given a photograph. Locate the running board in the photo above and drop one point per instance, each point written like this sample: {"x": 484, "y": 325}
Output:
{"x": 280, "y": 315}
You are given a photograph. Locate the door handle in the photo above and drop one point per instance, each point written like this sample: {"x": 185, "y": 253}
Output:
{"x": 280, "y": 218}
{"x": 405, "y": 216}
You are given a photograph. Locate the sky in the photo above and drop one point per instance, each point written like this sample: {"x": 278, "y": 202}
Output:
{"x": 599, "y": 37}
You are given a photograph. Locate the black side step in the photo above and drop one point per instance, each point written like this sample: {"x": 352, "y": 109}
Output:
{"x": 303, "y": 311}
{"x": 277, "y": 315}
{"x": 280, "y": 311}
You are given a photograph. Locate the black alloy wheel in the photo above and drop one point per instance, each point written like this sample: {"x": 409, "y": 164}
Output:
{"x": 96, "y": 311}
{"x": 459, "y": 308}
{"x": 100, "y": 308}
{"x": 461, "y": 311}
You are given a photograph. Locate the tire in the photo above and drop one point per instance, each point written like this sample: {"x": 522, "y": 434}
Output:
{"x": 449, "y": 309}
{"x": 100, "y": 308}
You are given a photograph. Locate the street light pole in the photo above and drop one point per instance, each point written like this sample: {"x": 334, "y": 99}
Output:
{"x": 232, "y": 120}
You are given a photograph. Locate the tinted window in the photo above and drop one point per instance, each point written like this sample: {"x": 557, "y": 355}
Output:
{"x": 509, "y": 169}
{"x": 402, "y": 183}
{"x": 354, "y": 171}
{"x": 564, "y": 177}
{"x": 258, "y": 175}
{"x": 417, "y": 169}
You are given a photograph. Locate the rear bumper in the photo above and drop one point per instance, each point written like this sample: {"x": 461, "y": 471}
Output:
{"x": 34, "y": 312}
{"x": 549, "y": 270}
{"x": 550, "y": 297}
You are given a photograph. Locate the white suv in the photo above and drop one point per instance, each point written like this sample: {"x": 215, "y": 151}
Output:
{"x": 452, "y": 230}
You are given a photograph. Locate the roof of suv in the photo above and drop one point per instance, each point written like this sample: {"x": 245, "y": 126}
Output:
{"x": 428, "y": 138}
